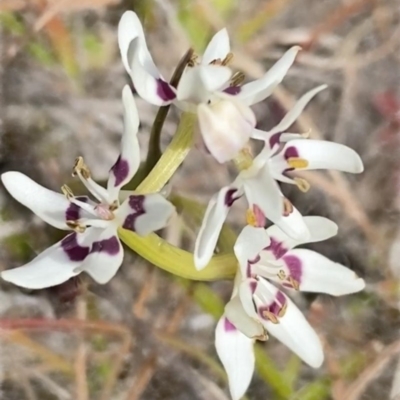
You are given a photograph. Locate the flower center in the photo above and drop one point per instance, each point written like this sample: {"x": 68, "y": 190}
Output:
{"x": 104, "y": 211}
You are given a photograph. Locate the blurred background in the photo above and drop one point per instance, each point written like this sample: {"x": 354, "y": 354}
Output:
{"x": 149, "y": 335}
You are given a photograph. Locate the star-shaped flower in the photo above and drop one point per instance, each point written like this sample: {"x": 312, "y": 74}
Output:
{"x": 207, "y": 87}
{"x": 94, "y": 246}
{"x": 258, "y": 307}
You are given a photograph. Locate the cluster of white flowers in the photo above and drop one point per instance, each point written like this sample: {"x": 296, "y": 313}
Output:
{"x": 269, "y": 265}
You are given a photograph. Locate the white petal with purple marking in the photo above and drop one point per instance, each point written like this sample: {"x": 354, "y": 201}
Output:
{"x": 293, "y": 330}
{"x": 106, "y": 255}
{"x": 50, "y": 206}
{"x": 236, "y": 353}
{"x": 226, "y": 127}
{"x": 261, "y": 190}
{"x": 319, "y": 229}
{"x": 129, "y": 159}
{"x": 148, "y": 83}
{"x": 199, "y": 81}
{"x": 214, "y": 218}
{"x": 316, "y": 273}
{"x": 260, "y": 89}
{"x": 218, "y": 47}
{"x": 246, "y": 323}
{"x": 319, "y": 154}
{"x": 144, "y": 214}
{"x": 250, "y": 242}
{"x": 55, "y": 265}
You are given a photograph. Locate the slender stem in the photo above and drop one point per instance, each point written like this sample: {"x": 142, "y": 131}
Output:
{"x": 154, "y": 152}
{"x": 177, "y": 261}
{"x": 173, "y": 156}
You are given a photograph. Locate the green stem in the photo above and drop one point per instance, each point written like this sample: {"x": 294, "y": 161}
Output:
{"x": 173, "y": 156}
{"x": 177, "y": 261}
{"x": 154, "y": 153}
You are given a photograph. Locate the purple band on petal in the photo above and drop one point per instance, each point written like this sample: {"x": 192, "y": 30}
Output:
{"x": 291, "y": 152}
{"x": 275, "y": 139}
{"x": 294, "y": 265}
{"x": 276, "y": 248}
{"x": 233, "y": 90}
{"x": 228, "y": 326}
{"x": 109, "y": 246}
{"x": 120, "y": 170}
{"x": 275, "y": 306}
{"x": 73, "y": 249}
{"x": 230, "y": 197}
{"x": 73, "y": 211}
{"x": 164, "y": 90}
{"x": 136, "y": 202}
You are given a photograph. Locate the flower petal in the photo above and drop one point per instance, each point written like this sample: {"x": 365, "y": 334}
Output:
{"x": 260, "y": 89}
{"x": 218, "y": 47}
{"x": 292, "y": 328}
{"x": 236, "y": 353}
{"x": 148, "y": 82}
{"x": 144, "y": 214}
{"x": 226, "y": 127}
{"x": 130, "y": 28}
{"x": 198, "y": 82}
{"x": 105, "y": 257}
{"x": 246, "y": 323}
{"x": 50, "y": 206}
{"x": 53, "y": 266}
{"x": 261, "y": 189}
{"x": 316, "y": 273}
{"x": 214, "y": 218}
{"x": 250, "y": 242}
{"x": 319, "y": 229}
{"x": 129, "y": 159}
{"x": 295, "y": 112}
{"x": 293, "y": 225}
{"x": 317, "y": 154}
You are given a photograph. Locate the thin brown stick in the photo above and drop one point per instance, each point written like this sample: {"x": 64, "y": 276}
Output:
{"x": 82, "y": 389}
{"x": 144, "y": 377}
{"x": 357, "y": 388}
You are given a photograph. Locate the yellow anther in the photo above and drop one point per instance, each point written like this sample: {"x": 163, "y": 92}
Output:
{"x": 67, "y": 191}
{"x": 272, "y": 317}
{"x": 287, "y": 207}
{"x": 297, "y": 162}
{"x": 113, "y": 206}
{"x": 263, "y": 337}
{"x": 281, "y": 275}
{"x": 227, "y": 59}
{"x": 283, "y": 310}
{"x": 251, "y": 218}
{"x": 237, "y": 79}
{"x": 81, "y": 168}
{"x": 302, "y": 184}
{"x": 75, "y": 226}
{"x": 295, "y": 284}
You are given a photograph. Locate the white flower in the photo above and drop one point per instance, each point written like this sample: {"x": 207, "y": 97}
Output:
{"x": 206, "y": 87}
{"x": 282, "y": 154}
{"x": 94, "y": 246}
{"x": 258, "y": 308}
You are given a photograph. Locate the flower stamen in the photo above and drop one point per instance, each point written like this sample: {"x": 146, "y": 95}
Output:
{"x": 237, "y": 79}
{"x": 287, "y": 207}
{"x": 302, "y": 184}
{"x": 281, "y": 275}
{"x": 80, "y": 168}
{"x": 297, "y": 162}
{"x": 67, "y": 192}
{"x": 76, "y": 226}
{"x": 271, "y": 316}
{"x": 295, "y": 284}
